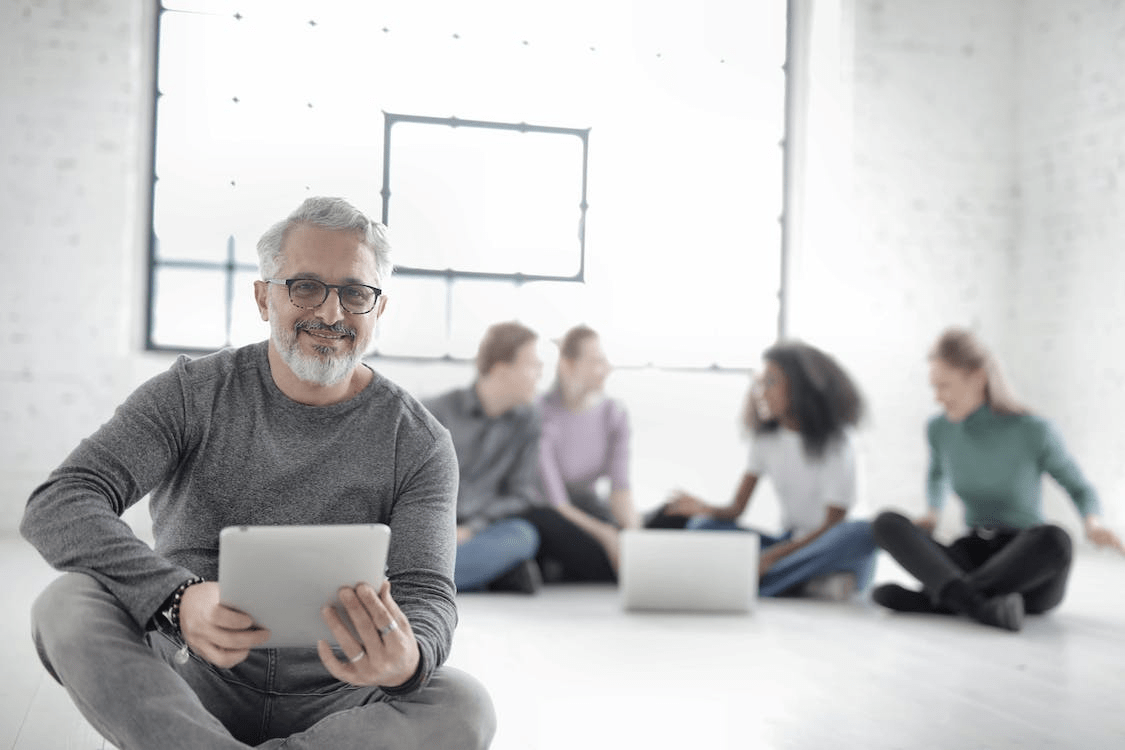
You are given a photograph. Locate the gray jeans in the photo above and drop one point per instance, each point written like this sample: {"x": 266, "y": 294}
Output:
{"x": 126, "y": 684}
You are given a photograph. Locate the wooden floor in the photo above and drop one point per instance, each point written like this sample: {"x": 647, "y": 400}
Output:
{"x": 568, "y": 669}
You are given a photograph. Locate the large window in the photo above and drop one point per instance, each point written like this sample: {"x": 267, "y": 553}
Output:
{"x": 612, "y": 162}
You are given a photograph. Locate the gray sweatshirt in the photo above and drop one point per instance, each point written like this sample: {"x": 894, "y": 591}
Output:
{"x": 217, "y": 444}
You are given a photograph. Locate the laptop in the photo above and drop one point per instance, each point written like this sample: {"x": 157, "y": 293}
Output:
{"x": 689, "y": 571}
{"x": 282, "y": 576}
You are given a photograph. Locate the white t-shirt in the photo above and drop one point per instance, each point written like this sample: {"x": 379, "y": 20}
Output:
{"x": 805, "y": 486}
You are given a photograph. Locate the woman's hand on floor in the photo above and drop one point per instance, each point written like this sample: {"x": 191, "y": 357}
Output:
{"x": 770, "y": 557}
{"x": 1102, "y": 536}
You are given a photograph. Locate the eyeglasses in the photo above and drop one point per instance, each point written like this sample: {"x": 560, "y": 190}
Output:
{"x": 309, "y": 294}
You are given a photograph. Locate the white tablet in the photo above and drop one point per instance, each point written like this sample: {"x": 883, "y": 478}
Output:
{"x": 283, "y": 575}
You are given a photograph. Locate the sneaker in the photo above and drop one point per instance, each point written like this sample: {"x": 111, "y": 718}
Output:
{"x": 524, "y": 578}
{"x": 552, "y": 570}
{"x": 1004, "y": 612}
{"x": 901, "y": 599}
{"x": 835, "y": 587}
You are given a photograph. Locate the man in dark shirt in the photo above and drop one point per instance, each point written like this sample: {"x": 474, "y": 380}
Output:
{"x": 495, "y": 431}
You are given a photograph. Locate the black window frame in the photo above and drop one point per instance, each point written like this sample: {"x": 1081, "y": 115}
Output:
{"x": 230, "y": 266}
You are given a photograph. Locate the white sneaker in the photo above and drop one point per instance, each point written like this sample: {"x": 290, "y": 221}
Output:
{"x": 834, "y": 587}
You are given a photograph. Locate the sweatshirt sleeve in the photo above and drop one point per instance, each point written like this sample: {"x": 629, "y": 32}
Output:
{"x": 936, "y": 481}
{"x": 423, "y": 533}
{"x": 74, "y": 517}
{"x": 619, "y": 436}
{"x": 1057, "y": 461}
{"x": 550, "y": 474}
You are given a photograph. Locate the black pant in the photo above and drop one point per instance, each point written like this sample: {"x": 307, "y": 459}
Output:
{"x": 1034, "y": 562}
{"x": 567, "y": 549}
{"x": 662, "y": 519}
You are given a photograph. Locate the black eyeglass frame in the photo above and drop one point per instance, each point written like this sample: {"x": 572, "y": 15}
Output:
{"x": 288, "y": 283}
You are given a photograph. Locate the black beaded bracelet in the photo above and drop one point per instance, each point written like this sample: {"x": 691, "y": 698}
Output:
{"x": 172, "y": 611}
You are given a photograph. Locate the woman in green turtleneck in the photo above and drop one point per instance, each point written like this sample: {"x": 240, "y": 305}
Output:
{"x": 993, "y": 452}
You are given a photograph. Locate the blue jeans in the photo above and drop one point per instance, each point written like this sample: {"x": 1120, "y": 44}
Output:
{"x": 127, "y": 685}
{"x": 847, "y": 547}
{"x": 493, "y": 551}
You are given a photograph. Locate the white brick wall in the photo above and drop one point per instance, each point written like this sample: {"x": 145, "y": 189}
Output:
{"x": 932, "y": 217}
{"x": 74, "y": 86}
{"x": 989, "y": 162}
{"x": 1069, "y": 282}
{"x": 988, "y": 168}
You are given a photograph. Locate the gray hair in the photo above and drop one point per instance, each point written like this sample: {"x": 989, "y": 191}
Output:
{"x": 327, "y": 213}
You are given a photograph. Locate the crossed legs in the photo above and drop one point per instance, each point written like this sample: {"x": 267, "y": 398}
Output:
{"x": 124, "y": 682}
{"x": 1032, "y": 563}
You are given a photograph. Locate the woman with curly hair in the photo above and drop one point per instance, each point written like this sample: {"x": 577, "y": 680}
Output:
{"x": 993, "y": 452}
{"x": 801, "y": 423}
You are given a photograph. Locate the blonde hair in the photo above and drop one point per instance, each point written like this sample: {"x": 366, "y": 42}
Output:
{"x": 961, "y": 349}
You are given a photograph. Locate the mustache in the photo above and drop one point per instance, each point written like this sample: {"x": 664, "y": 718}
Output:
{"x": 312, "y": 325}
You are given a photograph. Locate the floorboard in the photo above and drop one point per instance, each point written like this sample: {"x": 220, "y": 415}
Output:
{"x": 570, "y": 669}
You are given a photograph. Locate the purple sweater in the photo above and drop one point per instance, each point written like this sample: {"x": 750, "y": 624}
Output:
{"x": 578, "y": 448}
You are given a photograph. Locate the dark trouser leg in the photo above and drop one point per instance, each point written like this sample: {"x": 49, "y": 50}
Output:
{"x": 1034, "y": 563}
{"x": 915, "y": 551}
{"x": 661, "y": 519}
{"x": 942, "y": 570}
{"x": 1046, "y": 596}
{"x": 581, "y": 556}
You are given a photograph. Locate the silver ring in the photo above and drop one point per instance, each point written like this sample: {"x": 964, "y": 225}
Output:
{"x": 357, "y": 657}
{"x": 392, "y": 625}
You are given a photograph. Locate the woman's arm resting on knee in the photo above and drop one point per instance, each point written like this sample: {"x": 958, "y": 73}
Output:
{"x": 832, "y": 517}
{"x": 621, "y": 505}
{"x": 604, "y": 533}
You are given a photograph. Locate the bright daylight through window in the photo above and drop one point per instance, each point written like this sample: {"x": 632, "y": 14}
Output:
{"x": 643, "y": 200}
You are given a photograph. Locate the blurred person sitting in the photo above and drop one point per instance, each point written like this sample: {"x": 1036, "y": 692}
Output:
{"x": 993, "y": 451}
{"x": 585, "y": 439}
{"x": 495, "y": 431}
{"x": 802, "y": 440}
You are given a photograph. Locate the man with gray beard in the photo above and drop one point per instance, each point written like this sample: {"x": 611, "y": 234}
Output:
{"x": 293, "y": 430}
